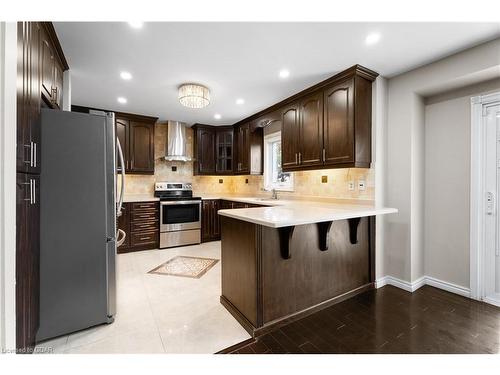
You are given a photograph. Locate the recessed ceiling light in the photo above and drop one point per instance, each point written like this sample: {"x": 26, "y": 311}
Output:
{"x": 122, "y": 100}
{"x": 240, "y": 101}
{"x": 217, "y": 116}
{"x": 136, "y": 24}
{"x": 284, "y": 73}
{"x": 372, "y": 38}
{"x": 126, "y": 76}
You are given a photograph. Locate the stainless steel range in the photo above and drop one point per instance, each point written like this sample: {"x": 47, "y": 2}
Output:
{"x": 180, "y": 214}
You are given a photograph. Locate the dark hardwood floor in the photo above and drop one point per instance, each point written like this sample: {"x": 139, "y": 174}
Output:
{"x": 388, "y": 320}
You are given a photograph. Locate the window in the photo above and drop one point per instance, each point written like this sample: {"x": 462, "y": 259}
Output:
{"x": 274, "y": 177}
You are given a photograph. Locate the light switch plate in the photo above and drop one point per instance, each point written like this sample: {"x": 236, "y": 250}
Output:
{"x": 350, "y": 185}
{"x": 361, "y": 185}
{"x": 324, "y": 179}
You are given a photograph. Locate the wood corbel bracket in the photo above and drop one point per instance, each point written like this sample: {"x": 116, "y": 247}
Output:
{"x": 353, "y": 229}
{"x": 324, "y": 233}
{"x": 285, "y": 234}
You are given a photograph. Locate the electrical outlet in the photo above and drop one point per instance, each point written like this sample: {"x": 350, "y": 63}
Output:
{"x": 361, "y": 185}
{"x": 174, "y": 168}
{"x": 324, "y": 179}
{"x": 246, "y": 180}
{"x": 350, "y": 185}
{"x": 221, "y": 180}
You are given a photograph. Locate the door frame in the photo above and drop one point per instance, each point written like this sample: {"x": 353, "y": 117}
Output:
{"x": 8, "y": 126}
{"x": 479, "y": 105}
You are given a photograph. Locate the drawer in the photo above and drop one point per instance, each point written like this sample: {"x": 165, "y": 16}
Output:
{"x": 149, "y": 206}
{"x": 143, "y": 238}
{"x": 144, "y": 226}
{"x": 144, "y": 216}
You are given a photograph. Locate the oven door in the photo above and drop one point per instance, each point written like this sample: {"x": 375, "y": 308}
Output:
{"x": 180, "y": 215}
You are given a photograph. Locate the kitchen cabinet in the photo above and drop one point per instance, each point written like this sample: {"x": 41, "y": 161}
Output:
{"x": 210, "y": 222}
{"x": 140, "y": 222}
{"x": 329, "y": 125}
{"x": 204, "y": 149}
{"x": 339, "y": 123}
{"x": 27, "y": 259}
{"x": 290, "y": 136}
{"x": 52, "y": 65}
{"x": 224, "y": 150}
{"x": 141, "y": 147}
{"x": 249, "y": 148}
{"x": 311, "y": 130}
{"x": 136, "y": 136}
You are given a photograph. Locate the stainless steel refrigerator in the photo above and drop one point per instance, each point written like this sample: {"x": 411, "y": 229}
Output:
{"x": 78, "y": 236}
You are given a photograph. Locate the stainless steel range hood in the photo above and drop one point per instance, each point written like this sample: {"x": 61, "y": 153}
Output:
{"x": 176, "y": 143}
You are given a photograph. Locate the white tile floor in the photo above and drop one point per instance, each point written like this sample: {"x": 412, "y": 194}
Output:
{"x": 160, "y": 313}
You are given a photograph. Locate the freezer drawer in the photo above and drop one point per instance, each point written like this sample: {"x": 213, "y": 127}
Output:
{"x": 180, "y": 238}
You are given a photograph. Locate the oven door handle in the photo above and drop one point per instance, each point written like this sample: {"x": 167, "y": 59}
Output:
{"x": 172, "y": 203}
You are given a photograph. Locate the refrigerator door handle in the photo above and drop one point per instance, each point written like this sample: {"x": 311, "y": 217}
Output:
{"x": 122, "y": 185}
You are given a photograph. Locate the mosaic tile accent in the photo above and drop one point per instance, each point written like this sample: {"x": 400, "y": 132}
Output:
{"x": 185, "y": 266}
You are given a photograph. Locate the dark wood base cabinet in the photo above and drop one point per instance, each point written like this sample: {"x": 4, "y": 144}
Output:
{"x": 140, "y": 221}
{"x": 262, "y": 290}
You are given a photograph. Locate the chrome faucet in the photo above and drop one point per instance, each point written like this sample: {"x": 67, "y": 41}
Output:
{"x": 275, "y": 194}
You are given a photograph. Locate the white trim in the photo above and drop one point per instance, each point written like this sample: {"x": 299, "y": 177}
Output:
{"x": 449, "y": 287}
{"x": 492, "y": 301}
{"x": 8, "y": 116}
{"x": 477, "y": 181}
{"x": 270, "y": 138}
{"x": 420, "y": 282}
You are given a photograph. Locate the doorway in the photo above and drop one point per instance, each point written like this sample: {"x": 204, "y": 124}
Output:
{"x": 485, "y": 198}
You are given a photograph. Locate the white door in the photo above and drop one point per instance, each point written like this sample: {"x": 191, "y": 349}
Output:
{"x": 491, "y": 263}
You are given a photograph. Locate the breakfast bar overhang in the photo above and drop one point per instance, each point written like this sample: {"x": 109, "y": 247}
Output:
{"x": 282, "y": 263}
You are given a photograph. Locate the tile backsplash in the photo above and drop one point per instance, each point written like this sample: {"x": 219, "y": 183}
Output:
{"x": 306, "y": 183}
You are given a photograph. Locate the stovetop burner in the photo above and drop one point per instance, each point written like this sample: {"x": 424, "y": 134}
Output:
{"x": 174, "y": 191}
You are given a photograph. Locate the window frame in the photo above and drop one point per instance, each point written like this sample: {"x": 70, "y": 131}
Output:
{"x": 269, "y": 139}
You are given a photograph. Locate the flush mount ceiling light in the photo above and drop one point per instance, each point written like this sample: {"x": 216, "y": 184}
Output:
{"x": 284, "y": 73}
{"x": 240, "y": 101}
{"x": 136, "y": 24}
{"x": 372, "y": 38}
{"x": 194, "y": 96}
{"x": 126, "y": 76}
{"x": 122, "y": 100}
{"x": 217, "y": 116}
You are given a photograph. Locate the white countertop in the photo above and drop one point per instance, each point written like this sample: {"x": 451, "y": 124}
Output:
{"x": 139, "y": 198}
{"x": 284, "y": 213}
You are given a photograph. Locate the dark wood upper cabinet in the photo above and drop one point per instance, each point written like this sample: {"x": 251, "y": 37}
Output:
{"x": 136, "y": 135}
{"x": 121, "y": 130}
{"x": 52, "y": 65}
{"x": 311, "y": 130}
{"x": 243, "y": 149}
{"x": 339, "y": 123}
{"x": 290, "y": 136}
{"x": 204, "y": 149}
{"x": 331, "y": 125}
{"x": 224, "y": 150}
{"x": 249, "y": 148}
{"x": 141, "y": 147}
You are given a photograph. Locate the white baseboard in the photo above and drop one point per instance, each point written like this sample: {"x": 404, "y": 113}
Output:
{"x": 424, "y": 280}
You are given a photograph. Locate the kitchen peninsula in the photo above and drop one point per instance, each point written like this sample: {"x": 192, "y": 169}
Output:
{"x": 283, "y": 262}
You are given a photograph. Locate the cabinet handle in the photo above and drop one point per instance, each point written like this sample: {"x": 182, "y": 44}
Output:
{"x": 30, "y": 199}
{"x": 29, "y": 162}
{"x": 34, "y": 191}
{"x": 300, "y": 158}
{"x": 34, "y": 154}
{"x": 324, "y": 155}
{"x": 296, "y": 159}
{"x": 144, "y": 238}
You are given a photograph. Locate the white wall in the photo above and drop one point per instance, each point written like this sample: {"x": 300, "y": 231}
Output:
{"x": 8, "y": 75}
{"x": 447, "y": 183}
{"x": 404, "y": 255}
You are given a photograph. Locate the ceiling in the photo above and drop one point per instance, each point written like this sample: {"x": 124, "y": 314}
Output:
{"x": 240, "y": 60}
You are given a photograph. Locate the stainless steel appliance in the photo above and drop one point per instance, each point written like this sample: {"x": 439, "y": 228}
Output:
{"x": 78, "y": 221}
{"x": 180, "y": 214}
